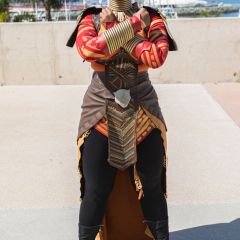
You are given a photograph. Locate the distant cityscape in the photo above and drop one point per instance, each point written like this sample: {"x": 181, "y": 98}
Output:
{"x": 170, "y": 8}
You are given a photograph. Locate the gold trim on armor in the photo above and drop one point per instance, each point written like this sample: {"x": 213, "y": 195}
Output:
{"x": 80, "y": 141}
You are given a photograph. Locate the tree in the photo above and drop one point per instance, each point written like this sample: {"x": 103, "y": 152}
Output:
{"x": 49, "y": 4}
{"x": 4, "y": 6}
{"x": 4, "y": 16}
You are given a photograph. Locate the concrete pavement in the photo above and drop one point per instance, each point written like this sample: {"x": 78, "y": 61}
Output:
{"x": 187, "y": 222}
{"x": 38, "y": 161}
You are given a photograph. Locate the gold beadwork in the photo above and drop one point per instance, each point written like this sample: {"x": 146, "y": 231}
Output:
{"x": 80, "y": 141}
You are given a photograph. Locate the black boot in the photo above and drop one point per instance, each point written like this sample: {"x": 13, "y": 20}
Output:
{"x": 88, "y": 232}
{"x": 159, "y": 229}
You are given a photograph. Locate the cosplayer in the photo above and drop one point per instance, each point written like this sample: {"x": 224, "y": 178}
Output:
{"x": 122, "y": 144}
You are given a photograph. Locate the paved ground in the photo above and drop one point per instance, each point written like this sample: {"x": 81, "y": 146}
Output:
{"x": 228, "y": 96}
{"x": 187, "y": 222}
{"x": 39, "y": 182}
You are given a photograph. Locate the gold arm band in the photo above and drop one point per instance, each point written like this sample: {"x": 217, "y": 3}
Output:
{"x": 118, "y": 35}
{"x": 132, "y": 43}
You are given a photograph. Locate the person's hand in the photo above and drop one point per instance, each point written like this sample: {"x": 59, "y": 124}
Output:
{"x": 145, "y": 18}
{"x": 106, "y": 15}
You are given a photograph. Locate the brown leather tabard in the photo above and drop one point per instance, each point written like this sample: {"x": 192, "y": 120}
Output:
{"x": 121, "y": 73}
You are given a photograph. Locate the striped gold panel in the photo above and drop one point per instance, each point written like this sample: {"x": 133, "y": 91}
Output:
{"x": 130, "y": 45}
{"x": 118, "y": 35}
{"x": 143, "y": 128}
{"x": 121, "y": 134}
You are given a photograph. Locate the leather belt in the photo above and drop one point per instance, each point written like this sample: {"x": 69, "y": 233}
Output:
{"x": 101, "y": 68}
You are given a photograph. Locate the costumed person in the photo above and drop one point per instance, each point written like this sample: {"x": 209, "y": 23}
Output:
{"x": 121, "y": 140}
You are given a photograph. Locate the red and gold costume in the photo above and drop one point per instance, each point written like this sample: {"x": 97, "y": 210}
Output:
{"x": 152, "y": 52}
{"x": 149, "y": 47}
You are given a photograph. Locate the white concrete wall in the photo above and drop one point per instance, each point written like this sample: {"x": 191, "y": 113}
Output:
{"x": 35, "y": 53}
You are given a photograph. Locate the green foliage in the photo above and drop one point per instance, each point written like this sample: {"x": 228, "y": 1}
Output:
{"x": 25, "y": 16}
{"x": 218, "y": 13}
{"x": 205, "y": 13}
{"x": 208, "y": 13}
{"x": 4, "y": 17}
{"x": 4, "y": 6}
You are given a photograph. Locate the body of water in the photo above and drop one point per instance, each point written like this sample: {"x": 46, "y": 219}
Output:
{"x": 232, "y": 2}
{"x": 235, "y": 3}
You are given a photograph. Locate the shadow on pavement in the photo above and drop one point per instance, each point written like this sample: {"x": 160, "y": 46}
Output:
{"x": 220, "y": 231}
